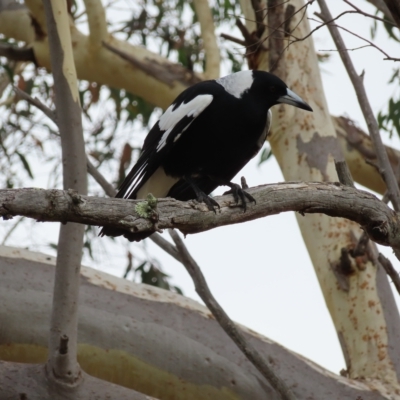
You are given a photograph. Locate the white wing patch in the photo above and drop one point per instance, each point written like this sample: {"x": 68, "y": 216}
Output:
{"x": 237, "y": 83}
{"x": 158, "y": 185}
{"x": 171, "y": 117}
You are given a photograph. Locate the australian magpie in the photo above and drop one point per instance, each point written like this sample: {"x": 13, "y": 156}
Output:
{"x": 207, "y": 135}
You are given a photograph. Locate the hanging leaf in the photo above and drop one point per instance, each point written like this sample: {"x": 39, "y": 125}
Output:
{"x": 25, "y": 164}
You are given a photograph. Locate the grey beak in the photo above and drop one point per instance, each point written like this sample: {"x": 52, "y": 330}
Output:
{"x": 291, "y": 98}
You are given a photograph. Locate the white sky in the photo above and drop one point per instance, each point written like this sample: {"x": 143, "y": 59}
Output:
{"x": 260, "y": 271}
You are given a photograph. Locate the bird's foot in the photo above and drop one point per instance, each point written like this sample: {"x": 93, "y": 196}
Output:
{"x": 209, "y": 201}
{"x": 201, "y": 197}
{"x": 240, "y": 194}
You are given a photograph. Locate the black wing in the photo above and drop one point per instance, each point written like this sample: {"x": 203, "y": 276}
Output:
{"x": 161, "y": 138}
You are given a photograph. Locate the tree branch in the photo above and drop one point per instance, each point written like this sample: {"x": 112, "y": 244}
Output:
{"x": 372, "y": 124}
{"x": 226, "y": 323}
{"x": 333, "y": 199}
{"x": 394, "y": 7}
{"x": 357, "y": 148}
{"x": 382, "y": 7}
{"x": 97, "y": 22}
{"x": 276, "y": 17}
{"x": 210, "y": 44}
{"x": 388, "y": 267}
{"x": 64, "y": 317}
{"x": 15, "y": 53}
{"x": 151, "y": 76}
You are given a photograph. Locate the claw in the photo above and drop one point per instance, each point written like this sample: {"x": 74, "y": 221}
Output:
{"x": 209, "y": 201}
{"x": 201, "y": 197}
{"x": 237, "y": 192}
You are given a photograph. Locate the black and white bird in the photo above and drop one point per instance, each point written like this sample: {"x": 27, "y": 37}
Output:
{"x": 207, "y": 135}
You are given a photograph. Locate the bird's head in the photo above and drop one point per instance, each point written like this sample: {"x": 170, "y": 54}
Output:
{"x": 275, "y": 91}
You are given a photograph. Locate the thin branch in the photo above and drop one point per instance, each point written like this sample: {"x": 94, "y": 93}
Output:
{"x": 99, "y": 178}
{"x": 382, "y": 7}
{"x": 297, "y": 39}
{"x": 64, "y": 315}
{"x": 344, "y": 173}
{"x": 15, "y": 53}
{"x": 370, "y": 44}
{"x": 13, "y": 228}
{"x": 388, "y": 267}
{"x": 37, "y": 103}
{"x": 369, "y": 15}
{"x": 372, "y": 124}
{"x": 226, "y": 323}
{"x": 213, "y": 58}
{"x": 233, "y": 39}
{"x": 166, "y": 246}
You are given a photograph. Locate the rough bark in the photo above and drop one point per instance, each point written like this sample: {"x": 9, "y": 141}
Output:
{"x": 333, "y": 199}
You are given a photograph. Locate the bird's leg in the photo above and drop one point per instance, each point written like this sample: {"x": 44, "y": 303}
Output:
{"x": 237, "y": 192}
{"x": 201, "y": 197}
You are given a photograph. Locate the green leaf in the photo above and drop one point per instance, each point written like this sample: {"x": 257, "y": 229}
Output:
{"x": 25, "y": 164}
{"x": 265, "y": 155}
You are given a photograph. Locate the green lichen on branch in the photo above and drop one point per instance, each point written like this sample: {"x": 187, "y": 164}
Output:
{"x": 146, "y": 209}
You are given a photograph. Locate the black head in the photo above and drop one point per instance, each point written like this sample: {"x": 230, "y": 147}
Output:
{"x": 275, "y": 91}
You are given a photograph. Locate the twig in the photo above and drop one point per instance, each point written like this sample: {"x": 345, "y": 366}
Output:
{"x": 13, "y": 228}
{"x": 344, "y": 173}
{"x": 226, "y": 323}
{"x": 370, "y": 44}
{"x": 37, "y": 103}
{"x": 388, "y": 267}
{"x": 359, "y": 11}
{"x": 233, "y": 39}
{"x": 372, "y": 124}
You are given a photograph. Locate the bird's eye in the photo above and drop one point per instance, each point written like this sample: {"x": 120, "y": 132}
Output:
{"x": 272, "y": 89}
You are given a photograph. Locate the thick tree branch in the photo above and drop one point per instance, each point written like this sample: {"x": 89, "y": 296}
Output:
{"x": 210, "y": 44}
{"x": 357, "y": 147}
{"x": 150, "y": 76}
{"x": 381, "y": 223}
{"x": 202, "y": 289}
{"x": 97, "y": 21}
{"x": 370, "y": 119}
